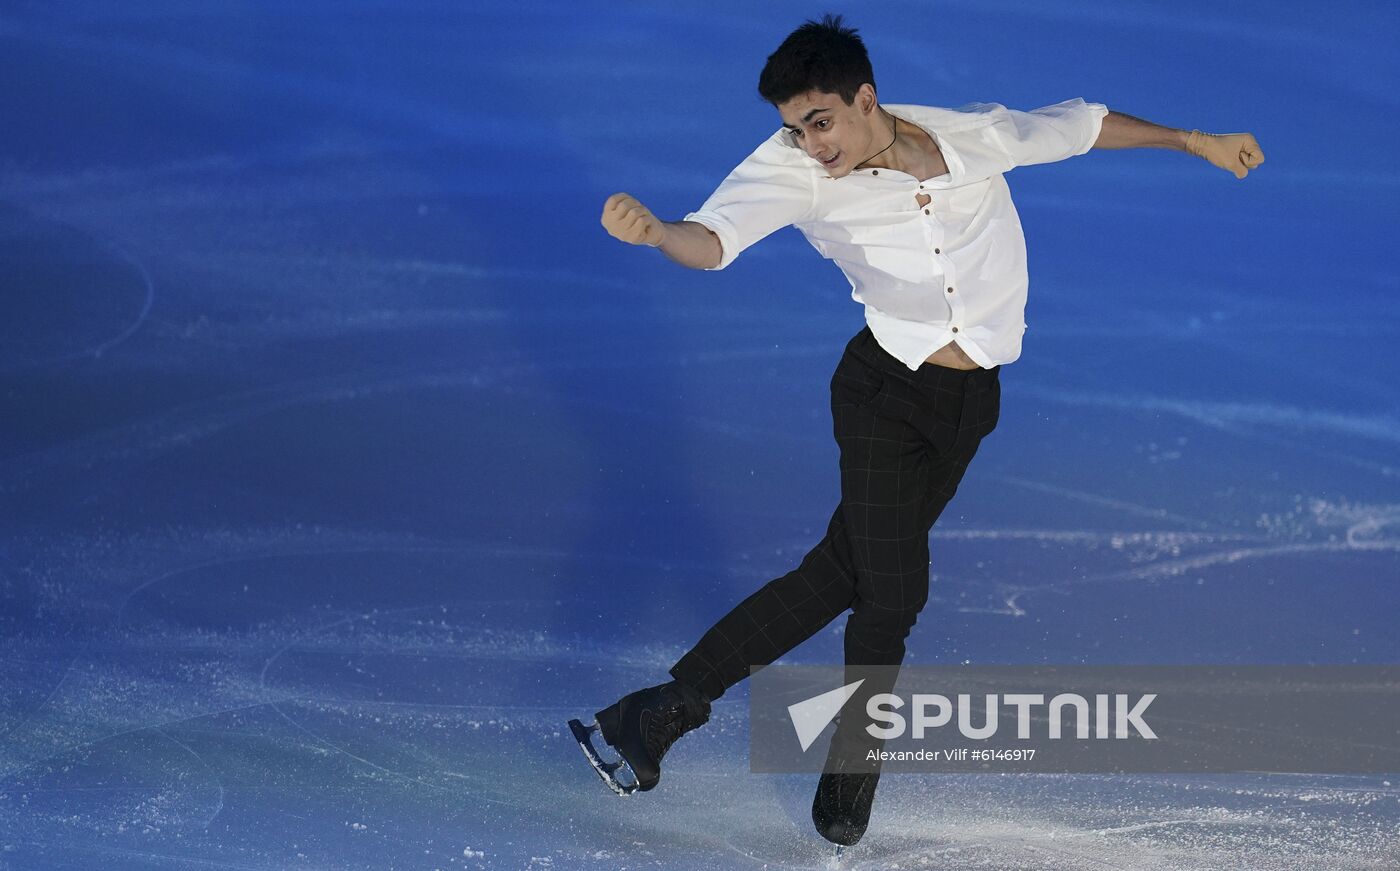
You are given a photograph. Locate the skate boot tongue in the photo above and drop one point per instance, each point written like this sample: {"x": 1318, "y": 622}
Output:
{"x": 679, "y": 709}
{"x": 696, "y": 706}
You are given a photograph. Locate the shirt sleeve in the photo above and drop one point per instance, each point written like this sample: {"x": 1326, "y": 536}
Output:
{"x": 771, "y": 189}
{"x": 1042, "y": 135}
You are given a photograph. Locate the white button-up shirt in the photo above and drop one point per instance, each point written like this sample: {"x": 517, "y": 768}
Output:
{"x": 953, "y": 270}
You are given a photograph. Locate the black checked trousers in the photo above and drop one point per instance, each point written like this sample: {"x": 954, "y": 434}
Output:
{"x": 906, "y": 438}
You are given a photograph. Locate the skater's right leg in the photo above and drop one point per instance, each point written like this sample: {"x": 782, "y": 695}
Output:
{"x": 792, "y": 608}
{"x": 772, "y": 621}
{"x": 641, "y": 727}
{"x": 778, "y": 617}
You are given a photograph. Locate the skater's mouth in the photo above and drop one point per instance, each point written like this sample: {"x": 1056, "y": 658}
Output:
{"x": 832, "y": 161}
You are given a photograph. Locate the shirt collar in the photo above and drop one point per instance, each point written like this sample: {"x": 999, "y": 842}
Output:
{"x": 932, "y": 119}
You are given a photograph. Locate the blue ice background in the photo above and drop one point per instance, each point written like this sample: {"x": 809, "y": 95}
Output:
{"x": 345, "y": 456}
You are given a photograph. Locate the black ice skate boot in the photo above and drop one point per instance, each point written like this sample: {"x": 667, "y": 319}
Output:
{"x": 841, "y": 807}
{"x": 846, "y": 791}
{"x": 641, "y": 727}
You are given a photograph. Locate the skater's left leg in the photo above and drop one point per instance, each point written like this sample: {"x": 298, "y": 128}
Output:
{"x": 894, "y": 511}
{"x": 893, "y": 589}
{"x": 953, "y": 410}
{"x": 899, "y": 469}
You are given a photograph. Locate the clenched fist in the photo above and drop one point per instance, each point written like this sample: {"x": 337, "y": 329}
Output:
{"x": 1236, "y": 152}
{"x": 627, "y": 219}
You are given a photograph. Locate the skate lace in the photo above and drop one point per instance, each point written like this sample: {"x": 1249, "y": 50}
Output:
{"x": 672, "y": 721}
{"x": 663, "y": 734}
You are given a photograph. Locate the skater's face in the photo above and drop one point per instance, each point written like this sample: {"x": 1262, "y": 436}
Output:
{"x": 838, "y": 136}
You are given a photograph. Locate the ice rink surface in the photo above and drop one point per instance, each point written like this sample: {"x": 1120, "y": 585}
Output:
{"x": 343, "y": 456}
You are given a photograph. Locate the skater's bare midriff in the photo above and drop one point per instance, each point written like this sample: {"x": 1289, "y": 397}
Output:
{"x": 951, "y": 356}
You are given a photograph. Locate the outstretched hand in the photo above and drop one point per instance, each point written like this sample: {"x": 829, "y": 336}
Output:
{"x": 1234, "y": 152}
{"x": 627, "y": 219}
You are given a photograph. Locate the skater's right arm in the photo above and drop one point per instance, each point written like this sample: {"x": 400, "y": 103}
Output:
{"x": 775, "y": 186}
{"x": 686, "y": 242}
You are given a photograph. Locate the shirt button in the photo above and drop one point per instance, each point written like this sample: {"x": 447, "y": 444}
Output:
{"x": 950, "y": 290}
{"x": 925, "y": 211}
{"x": 938, "y": 251}
{"x": 955, "y": 329}
{"x": 874, "y": 172}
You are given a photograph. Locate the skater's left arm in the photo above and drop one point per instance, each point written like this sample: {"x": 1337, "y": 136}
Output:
{"x": 1235, "y": 152}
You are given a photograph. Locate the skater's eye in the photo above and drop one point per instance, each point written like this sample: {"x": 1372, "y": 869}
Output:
{"x": 820, "y": 125}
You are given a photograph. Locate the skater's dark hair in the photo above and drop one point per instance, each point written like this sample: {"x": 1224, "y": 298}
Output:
{"x": 819, "y": 55}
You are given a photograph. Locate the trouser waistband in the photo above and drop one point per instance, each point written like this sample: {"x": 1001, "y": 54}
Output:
{"x": 865, "y": 346}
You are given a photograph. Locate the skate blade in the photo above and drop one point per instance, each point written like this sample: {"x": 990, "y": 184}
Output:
{"x": 606, "y": 770}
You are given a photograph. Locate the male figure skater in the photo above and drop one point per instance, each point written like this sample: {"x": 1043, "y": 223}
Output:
{"x": 911, "y": 204}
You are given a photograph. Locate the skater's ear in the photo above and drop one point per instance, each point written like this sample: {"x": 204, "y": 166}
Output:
{"x": 866, "y": 100}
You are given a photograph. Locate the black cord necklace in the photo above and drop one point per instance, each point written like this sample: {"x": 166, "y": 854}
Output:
{"x": 894, "y": 128}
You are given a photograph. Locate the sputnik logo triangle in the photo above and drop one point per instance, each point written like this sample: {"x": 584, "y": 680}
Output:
{"x": 810, "y": 717}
